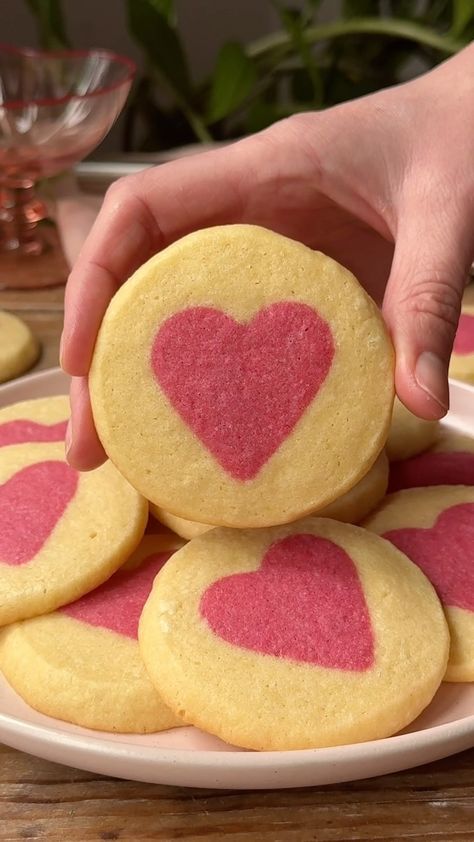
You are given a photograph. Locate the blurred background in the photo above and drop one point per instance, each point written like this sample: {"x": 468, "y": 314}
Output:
{"x": 213, "y": 70}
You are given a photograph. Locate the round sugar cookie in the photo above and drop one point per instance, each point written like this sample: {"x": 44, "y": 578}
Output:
{"x": 449, "y": 462}
{"x": 409, "y": 434}
{"x": 434, "y": 527}
{"x": 351, "y": 507}
{"x": 311, "y": 634}
{"x": 253, "y": 366}
{"x": 82, "y": 663}
{"x": 188, "y": 529}
{"x": 461, "y": 366}
{"x": 62, "y": 533}
{"x": 19, "y": 349}
{"x": 43, "y": 420}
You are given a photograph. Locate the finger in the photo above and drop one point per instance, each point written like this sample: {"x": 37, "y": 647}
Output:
{"x": 422, "y": 303}
{"x": 83, "y": 448}
{"x": 140, "y": 216}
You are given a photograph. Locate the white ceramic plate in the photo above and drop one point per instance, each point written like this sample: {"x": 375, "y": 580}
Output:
{"x": 188, "y": 757}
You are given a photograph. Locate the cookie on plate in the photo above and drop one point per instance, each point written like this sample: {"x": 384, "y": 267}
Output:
{"x": 351, "y": 507}
{"x": 409, "y": 434}
{"x": 461, "y": 366}
{"x": 434, "y": 527}
{"x": 312, "y": 634}
{"x": 253, "y": 365}
{"x": 449, "y": 462}
{"x": 42, "y": 420}
{"x": 19, "y": 349}
{"x": 61, "y": 533}
{"x": 188, "y": 529}
{"x": 82, "y": 663}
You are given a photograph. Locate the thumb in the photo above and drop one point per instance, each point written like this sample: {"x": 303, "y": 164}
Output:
{"x": 422, "y": 302}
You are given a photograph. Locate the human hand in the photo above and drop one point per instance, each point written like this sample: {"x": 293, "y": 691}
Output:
{"x": 384, "y": 184}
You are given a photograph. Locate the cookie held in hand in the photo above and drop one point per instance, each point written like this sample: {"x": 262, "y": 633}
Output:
{"x": 233, "y": 373}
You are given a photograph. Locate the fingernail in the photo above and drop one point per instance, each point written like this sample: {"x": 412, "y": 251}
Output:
{"x": 68, "y": 438}
{"x": 431, "y": 376}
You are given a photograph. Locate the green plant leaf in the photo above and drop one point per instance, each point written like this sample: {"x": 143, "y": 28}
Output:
{"x": 149, "y": 24}
{"x": 166, "y": 8}
{"x": 463, "y": 16}
{"x": 234, "y": 78}
{"x": 50, "y": 23}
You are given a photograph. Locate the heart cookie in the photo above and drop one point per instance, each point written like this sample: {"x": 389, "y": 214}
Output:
{"x": 221, "y": 405}
{"x": 82, "y": 663}
{"x": 449, "y": 462}
{"x": 276, "y": 639}
{"x": 56, "y": 543}
{"x": 40, "y": 421}
{"x": 409, "y": 435}
{"x": 434, "y": 527}
{"x": 461, "y": 366}
{"x": 19, "y": 349}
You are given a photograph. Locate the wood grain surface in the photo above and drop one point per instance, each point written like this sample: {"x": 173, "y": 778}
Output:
{"x": 41, "y": 800}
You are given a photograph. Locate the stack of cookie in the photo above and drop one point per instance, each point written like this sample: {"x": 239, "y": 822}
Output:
{"x": 242, "y": 387}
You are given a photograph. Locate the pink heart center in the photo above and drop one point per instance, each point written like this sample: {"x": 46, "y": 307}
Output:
{"x": 117, "y": 604}
{"x": 454, "y": 468}
{"x": 305, "y": 603}
{"x": 242, "y": 388}
{"x": 23, "y": 431}
{"x": 445, "y": 553}
{"x": 31, "y": 503}
{"x": 464, "y": 340}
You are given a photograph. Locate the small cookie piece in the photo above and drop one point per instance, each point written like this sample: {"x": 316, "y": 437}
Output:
{"x": 19, "y": 349}
{"x": 42, "y": 420}
{"x": 188, "y": 529}
{"x": 449, "y": 462}
{"x": 461, "y": 366}
{"x": 434, "y": 527}
{"x": 409, "y": 435}
{"x": 61, "y": 533}
{"x": 253, "y": 365}
{"x": 312, "y": 634}
{"x": 82, "y": 663}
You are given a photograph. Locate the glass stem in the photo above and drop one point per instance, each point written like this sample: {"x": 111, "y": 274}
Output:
{"x": 20, "y": 212}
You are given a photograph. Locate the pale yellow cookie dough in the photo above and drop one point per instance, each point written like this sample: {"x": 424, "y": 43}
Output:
{"x": 351, "y": 507}
{"x": 19, "y": 349}
{"x": 85, "y": 674}
{"x": 420, "y": 508}
{"x": 48, "y": 410}
{"x": 270, "y": 702}
{"x": 101, "y": 525}
{"x": 185, "y": 528}
{"x": 409, "y": 435}
{"x": 239, "y": 273}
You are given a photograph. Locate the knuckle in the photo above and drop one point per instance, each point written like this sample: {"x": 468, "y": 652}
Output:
{"x": 118, "y": 190}
{"x": 434, "y": 299}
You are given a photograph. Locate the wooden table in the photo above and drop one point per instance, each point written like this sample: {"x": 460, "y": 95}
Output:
{"x": 40, "y": 800}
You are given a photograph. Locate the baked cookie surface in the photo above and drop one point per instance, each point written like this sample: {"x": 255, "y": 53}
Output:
{"x": 238, "y": 395}
{"x": 61, "y": 533}
{"x": 434, "y": 527}
{"x": 82, "y": 663}
{"x": 306, "y": 635}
